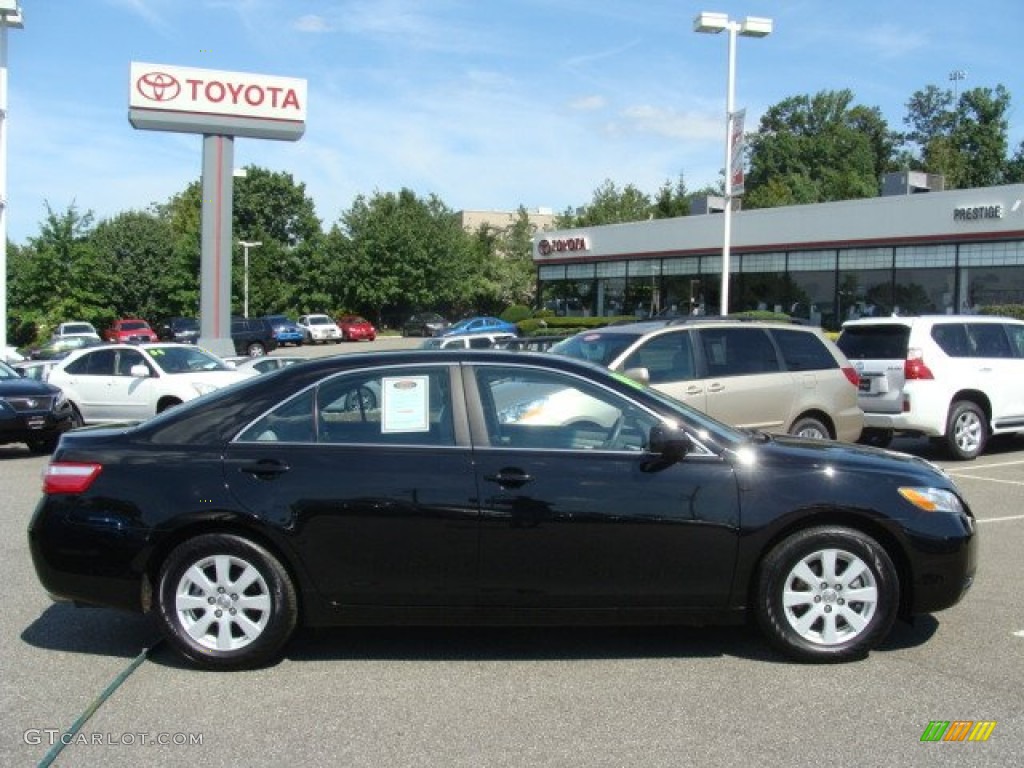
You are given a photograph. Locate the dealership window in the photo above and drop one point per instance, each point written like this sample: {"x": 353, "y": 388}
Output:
{"x": 643, "y": 289}
{"x": 762, "y": 282}
{"x": 990, "y": 274}
{"x": 812, "y": 276}
{"x": 682, "y": 285}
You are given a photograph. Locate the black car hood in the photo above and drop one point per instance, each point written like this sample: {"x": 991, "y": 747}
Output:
{"x": 27, "y": 388}
{"x": 795, "y": 451}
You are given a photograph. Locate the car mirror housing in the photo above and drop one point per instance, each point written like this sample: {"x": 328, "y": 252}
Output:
{"x": 671, "y": 443}
{"x": 639, "y": 375}
{"x": 140, "y": 371}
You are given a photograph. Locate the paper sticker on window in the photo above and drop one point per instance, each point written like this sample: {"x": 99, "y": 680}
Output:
{"x": 405, "y": 404}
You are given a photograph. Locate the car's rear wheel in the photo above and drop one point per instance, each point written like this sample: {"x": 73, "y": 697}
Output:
{"x": 966, "y": 431}
{"x": 810, "y": 427}
{"x": 225, "y": 602}
{"x": 255, "y": 349}
{"x": 827, "y": 594}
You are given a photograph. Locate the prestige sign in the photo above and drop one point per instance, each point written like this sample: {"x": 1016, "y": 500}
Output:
{"x": 185, "y": 99}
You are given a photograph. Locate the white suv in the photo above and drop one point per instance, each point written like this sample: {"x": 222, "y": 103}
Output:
{"x": 954, "y": 378}
{"x": 319, "y": 329}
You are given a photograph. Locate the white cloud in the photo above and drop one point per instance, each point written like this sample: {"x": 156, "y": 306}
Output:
{"x": 311, "y": 23}
{"x": 588, "y": 103}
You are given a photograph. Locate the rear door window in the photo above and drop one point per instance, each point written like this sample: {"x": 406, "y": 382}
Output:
{"x": 952, "y": 339}
{"x": 803, "y": 351}
{"x": 988, "y": 340}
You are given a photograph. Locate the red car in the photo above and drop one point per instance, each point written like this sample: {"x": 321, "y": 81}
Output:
{"x": 130, "y": 329}
{"x": 356, "y": 328}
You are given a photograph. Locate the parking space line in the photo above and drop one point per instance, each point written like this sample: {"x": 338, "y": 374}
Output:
{"x": 990, "y": 479}
{"x": 1000, "y": 519}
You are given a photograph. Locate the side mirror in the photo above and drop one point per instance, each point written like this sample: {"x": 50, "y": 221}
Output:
{"x": 140, "y": 371}
{"x": 639, "y": 375}
{"x": 671, "y": 444}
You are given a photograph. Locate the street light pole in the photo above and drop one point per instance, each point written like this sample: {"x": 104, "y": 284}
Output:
{"x": 751, "y": 26}
{"x": 246, "y": 245}
{"x": 10, "y": 18}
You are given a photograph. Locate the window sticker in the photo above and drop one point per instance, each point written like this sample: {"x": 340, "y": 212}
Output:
{"x": 405, "y": 404}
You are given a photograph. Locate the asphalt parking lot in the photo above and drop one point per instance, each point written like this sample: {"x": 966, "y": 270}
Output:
{"x": 516, "y": 697}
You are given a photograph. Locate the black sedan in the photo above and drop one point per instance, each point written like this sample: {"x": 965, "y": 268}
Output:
{"x": 493, "y": 487}
{"x": 425, "y": 324}
{"x": 31, "y": 411}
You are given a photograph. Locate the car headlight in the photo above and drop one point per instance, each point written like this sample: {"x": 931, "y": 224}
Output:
{"x": 60, "y": 402}
{"x": 932, "y": 499}
{"x": 204, "y": 388}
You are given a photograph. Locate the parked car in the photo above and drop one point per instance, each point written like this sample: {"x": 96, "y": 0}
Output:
{"x": 184, "y": 330}
{"x": 466, "y": 341}
{"x": 425, "y": 324}
{"x": 356, "y": 328}
{"x": 319, "y": 329}
{"x": 11, "y": 355}
{"x": 34, "y": 369}
{"x": 787, "y": 379}
{"x": 240, "y": 514}
{"x": 954, "y": 378}
{"x": 252, "y": 336}
{"x": 529, "y": 343}
{"x": 32, "y": 412}
{"x": 129, "y": 329}
{"x": 57, "y": 349}
{"x": 481, "y": 325}
{"x": 267, "y": 363}
{"x": 129, "y": 382}
{"x": 285, "y": 331}
{"x": 75, "y": 329}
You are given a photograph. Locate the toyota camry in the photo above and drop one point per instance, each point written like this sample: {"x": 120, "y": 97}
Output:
{"x": 488, "y": 487}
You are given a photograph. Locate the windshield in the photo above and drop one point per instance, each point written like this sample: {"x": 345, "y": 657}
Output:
{"x": 6, "y": 372}
{"x": 600, "y": 348}
{"x": 319, "y": 320}
{"x": 78, "y": 328}
{"x": 185, "y": 359}
{"x": 186, "y": 324}
{"x": 134, "y": 325}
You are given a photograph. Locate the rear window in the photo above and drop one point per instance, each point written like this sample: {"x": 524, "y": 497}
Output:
{"x": 875, "y": 342}
{"x": 803, "y": 351}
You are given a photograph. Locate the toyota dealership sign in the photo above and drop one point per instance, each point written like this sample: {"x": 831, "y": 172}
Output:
{"x": 169, "y": 98}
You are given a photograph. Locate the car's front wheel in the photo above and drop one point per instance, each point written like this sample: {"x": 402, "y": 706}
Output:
{"x": 966, "y": 431}
{"x": 827, "y": 594}
{"x": 225, "y": 602}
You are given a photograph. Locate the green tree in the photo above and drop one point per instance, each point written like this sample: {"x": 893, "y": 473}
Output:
{"x": 60, "y": 276}
{"x": 401, "y": 252}
{"x": 610, "y": 205}
{"x": 811, "y": 149}
{"x": 134, "y": 250}
{"x": 966, "y": 142}
{"x": 672, "y": 200}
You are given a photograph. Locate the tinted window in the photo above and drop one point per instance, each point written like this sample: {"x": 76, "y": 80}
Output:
{"x": 99, "y": 363}
{"x": 126, "y": 359}
{"x": 952, "y": 339}
{"x": 875, "y": 342}
{"x": 802, "y": 351}
{"x": 738, "y": 351}
{"x": 1016, "y": 335}
{"x": 481, "y": 343}
{"x": 534, "y": 409}
{"x": 668, "y": 357}
{"x": 988, "y": 340}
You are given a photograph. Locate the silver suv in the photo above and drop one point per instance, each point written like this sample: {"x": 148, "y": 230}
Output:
{"x": 770, "y": 376}
{"x": 954, "y": 378}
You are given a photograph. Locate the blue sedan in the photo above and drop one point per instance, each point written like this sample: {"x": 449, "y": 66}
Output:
{"x": 481, "y": 325}
{"x": 285, "y": 330}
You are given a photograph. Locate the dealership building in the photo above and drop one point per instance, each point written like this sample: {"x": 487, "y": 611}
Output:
{"x": 914, "y": 250}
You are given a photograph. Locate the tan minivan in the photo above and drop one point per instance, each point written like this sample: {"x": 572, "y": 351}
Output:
{"x": 774, "y": 377}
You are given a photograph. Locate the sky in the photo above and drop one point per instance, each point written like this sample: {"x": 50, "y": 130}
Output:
{"x": 488, "y": 104}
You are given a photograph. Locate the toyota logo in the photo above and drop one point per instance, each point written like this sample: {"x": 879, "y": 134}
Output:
{"x": 158, "y": 86}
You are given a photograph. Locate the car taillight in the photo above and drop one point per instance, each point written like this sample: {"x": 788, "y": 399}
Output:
{"x": 851, "y": 374}
{"x": 914, "y": 367}
{"x": 69, "y": 477}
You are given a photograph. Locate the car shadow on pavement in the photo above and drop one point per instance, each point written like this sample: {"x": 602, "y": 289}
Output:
{"x": 525, "y": 643}
{"x": 910, "y": 634}
{"x": 96, "y": 631}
